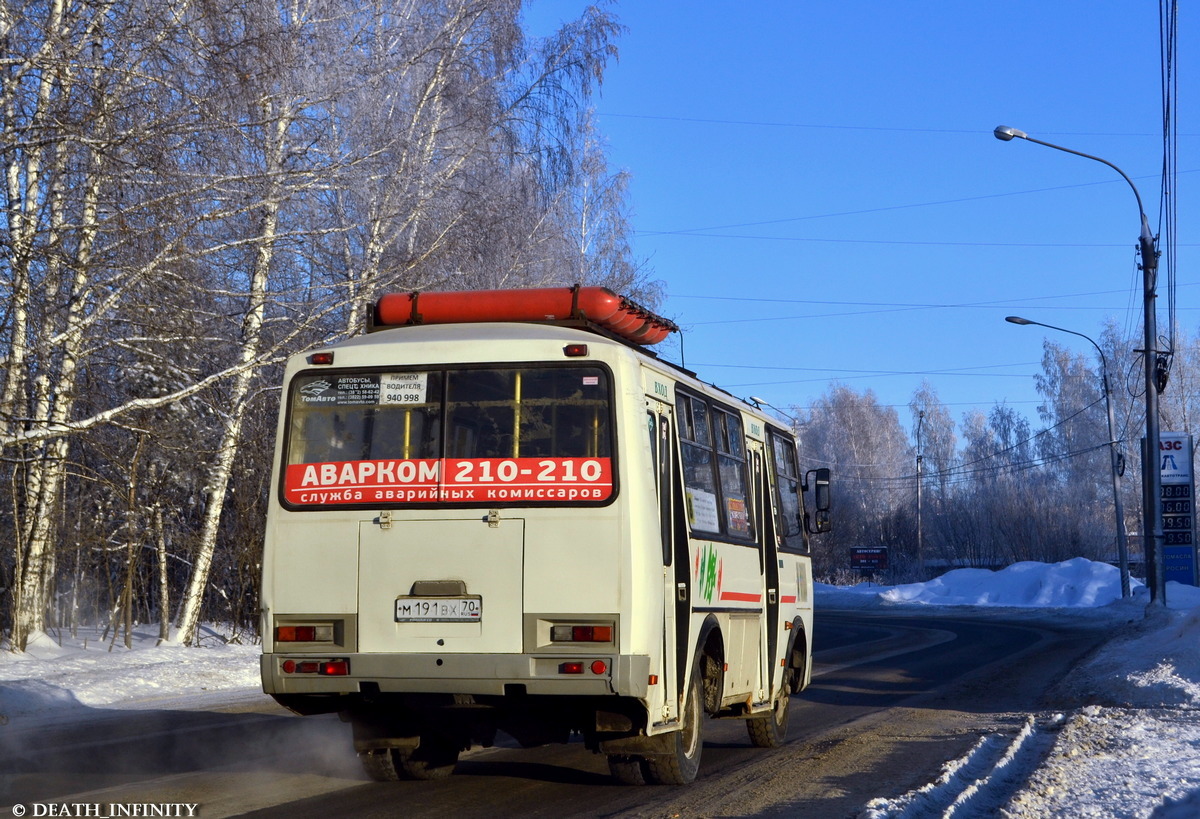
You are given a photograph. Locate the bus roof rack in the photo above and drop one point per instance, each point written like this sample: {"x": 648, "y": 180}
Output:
{"x": 594, "y": 308}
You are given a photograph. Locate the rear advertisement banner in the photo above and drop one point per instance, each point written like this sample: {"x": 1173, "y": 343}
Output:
{"x": 449, "y": 480}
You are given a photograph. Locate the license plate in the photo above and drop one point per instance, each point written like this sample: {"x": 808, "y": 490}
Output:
{"x": 439, "y": 609}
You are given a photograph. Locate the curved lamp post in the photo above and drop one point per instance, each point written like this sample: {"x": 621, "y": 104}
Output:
{"x": 1151, "y": 480}
{"x": 1114, "y": 459}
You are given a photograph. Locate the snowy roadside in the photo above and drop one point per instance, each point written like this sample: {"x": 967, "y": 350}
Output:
{"x": 1129, "y": 747}
{"x": 54, "y": 682}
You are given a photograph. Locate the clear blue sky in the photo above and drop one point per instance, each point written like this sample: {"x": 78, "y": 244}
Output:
{"x": 818, "y": 186}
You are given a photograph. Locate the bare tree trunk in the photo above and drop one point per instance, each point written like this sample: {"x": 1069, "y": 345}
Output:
{"x": 164, "y": 580}
{"x": 23, "y": 179}
{"x": 251, "y": 350}
{"x": 55, "y": 406}
{"x": 132, "y": 541}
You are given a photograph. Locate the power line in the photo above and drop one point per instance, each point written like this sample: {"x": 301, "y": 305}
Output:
{"x": 887, "y": 307}
{"x": 867, "y": 374}
{"x": 956, "y": 476}
{"x": 894, "y": 304}
{"x": 949, "y": 370}
{"x": 960, "y": 472}
{"x": 846, "y": 313}
{"x": 703, "y": 231}
{"x": 834, "y": 127}
{"x": 1169, "y": 203}
{"x": 891, "y": 307}
{"x": 901, "y": 242}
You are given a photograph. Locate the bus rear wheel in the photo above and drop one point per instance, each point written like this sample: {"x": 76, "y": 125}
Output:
{"x": 681, "y": 766}
{"x": 434, "y": 758}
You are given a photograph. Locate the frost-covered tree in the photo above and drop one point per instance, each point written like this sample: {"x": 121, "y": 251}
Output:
{"x": 193, "y": 191}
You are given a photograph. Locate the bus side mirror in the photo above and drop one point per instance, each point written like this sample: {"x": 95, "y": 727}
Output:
{"x": 819, "y": 480}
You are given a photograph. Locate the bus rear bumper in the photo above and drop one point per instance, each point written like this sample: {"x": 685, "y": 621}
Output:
{"x": 482, "y": 674}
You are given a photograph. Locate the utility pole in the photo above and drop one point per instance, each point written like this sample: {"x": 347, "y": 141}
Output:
{"x": 920, "y": 481}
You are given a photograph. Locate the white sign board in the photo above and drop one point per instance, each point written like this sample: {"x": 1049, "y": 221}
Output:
{"x": 1175, "y": 457}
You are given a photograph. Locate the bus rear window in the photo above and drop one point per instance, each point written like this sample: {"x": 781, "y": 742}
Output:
{"x": 486, "y": 436}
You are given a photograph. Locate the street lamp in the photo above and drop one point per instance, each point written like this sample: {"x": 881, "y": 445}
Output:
{"x": 1115, "y": 458}
{"x": 762, "y": 402}
{"x": 1151, "y": 480}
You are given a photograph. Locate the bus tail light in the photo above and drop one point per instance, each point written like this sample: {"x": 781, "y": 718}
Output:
{"x": 581, "y": 634}
{"x": 324, "y": 668}
{"x": 571, "y": 667}
{"x": 304, "y": 634}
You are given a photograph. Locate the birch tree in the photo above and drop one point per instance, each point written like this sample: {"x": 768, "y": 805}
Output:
{"x": 192, "y": 192}
{"x": 73, "y": 97}
{"x": 869, "y": 453}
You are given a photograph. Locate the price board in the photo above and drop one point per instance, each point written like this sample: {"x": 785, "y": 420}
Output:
{"x": 1177, "y": 507}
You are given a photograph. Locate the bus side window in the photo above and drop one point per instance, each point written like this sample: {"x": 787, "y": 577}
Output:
{"x": 699, "y": 480}
{"x": 787, "y": 488}
{"x": 659, "y": 429}
{"x": 652, "y": 430}
{"x": 731, "y": 464}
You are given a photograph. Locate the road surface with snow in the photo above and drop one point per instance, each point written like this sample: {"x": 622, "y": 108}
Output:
{"x": 1128, "y": 745}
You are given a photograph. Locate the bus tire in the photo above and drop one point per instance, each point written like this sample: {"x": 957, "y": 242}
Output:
{"x": 770, "y": 730}
{"x": 380, "y": 764}
{"x": 628, "y": 770}
{"x": 432, "y": 759}
{"x": 681, "y": 766}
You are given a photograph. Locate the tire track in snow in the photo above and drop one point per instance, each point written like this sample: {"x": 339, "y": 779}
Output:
{"x": 978, "y": 783}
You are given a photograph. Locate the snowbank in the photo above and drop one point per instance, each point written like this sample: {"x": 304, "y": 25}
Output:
{"x": 1077, "y": 583}
{"x": 54, "y": 677}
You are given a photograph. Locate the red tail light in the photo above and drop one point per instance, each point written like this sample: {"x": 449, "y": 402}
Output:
{"x": 304, "y": 634}
{"x": 581, "y": 634}
{"x": 328, "y": 668}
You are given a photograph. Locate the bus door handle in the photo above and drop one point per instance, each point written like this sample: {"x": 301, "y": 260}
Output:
{"x": 681, "y": 591}
{"x": 771, "y": 596}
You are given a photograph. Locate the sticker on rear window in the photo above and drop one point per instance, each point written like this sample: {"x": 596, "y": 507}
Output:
{"x": 340, "y": 391}
{"x": 403, "y": 388}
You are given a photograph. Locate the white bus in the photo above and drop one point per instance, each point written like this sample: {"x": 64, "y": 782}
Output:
{"x": 498, "y": 512}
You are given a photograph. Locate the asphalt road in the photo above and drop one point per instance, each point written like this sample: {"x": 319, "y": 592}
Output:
{"x": 892, "y": 699}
